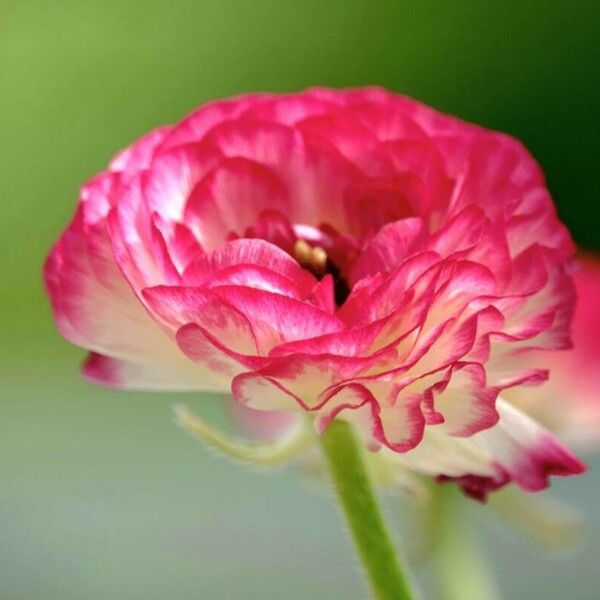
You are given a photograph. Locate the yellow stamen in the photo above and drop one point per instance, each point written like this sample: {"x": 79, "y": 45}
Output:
{"x": 313, "y": 259}
{"x": 302, "y": 252}
{"x": 319, "y": 259}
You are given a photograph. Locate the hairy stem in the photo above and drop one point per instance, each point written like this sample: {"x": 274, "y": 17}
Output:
{"x": 344, "y": 455}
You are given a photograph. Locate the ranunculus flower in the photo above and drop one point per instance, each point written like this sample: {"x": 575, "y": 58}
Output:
{"x": 347, "y": 254}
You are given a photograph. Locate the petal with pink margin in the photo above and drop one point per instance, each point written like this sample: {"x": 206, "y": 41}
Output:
{"x": 388, "y": 248}
{"x": 95, "y": 308}
{"x": 177, "y": 306}
{"x": 137, "y": 157}
{"x": 516, "y": 449}
{"x": 303, "y": 378}
{"x": 230, "y": 198}
{"x": 248, "y": 252}
{"x": 276, "y": 318}
{"x": 394, "y": 423}
{"x": 184, "y": 376}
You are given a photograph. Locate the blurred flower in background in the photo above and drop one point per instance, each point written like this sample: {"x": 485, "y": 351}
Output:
{"x": 569, "y": 404}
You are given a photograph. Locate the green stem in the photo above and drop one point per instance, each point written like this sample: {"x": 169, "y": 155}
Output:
{"x": 346, "y": 463}
{"x": 463, "y": 572}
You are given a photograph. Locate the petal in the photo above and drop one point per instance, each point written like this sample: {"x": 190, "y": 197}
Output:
{"x": 353, "y": 403}
{"x": 197, "y": 124}
{"x": 274, "y": 227}
{"x": 174, "y": 174}
{"x": 309, "y": 172}
{"x": 291, "y": 108}
{"x": 122, "y": 374}
{"x": 267, "y": 143}
{"x": 388, "y": 248}
{"x": 394, "y": 423}
{"x": 178, "y": 306}
{"x": 94, "y": 307}
{"x": 389, "y": 116}
{"x": 516, "y": 449}
{"x": 203, "y": 348}
{"x": 255, "y": 277}
{"x": 276, "y": 318}
{"x": 300, "y": 378}
{"x": 230, "y": 198}
{"x": 248, "y": 252}
{"x": 138, "y": 156}
{"x": 98, "y": 196}
{"x": 132, "y": 236}
{"x": 372, "y": 202}
{"x": 350, "y": 342}
{"x": 261, "y": 424}
{"x": 536, "y": 221}
{"x": 465, "y": 402}
{"x": 181, "y": 244}
{"x": 323, "y": 294}
{"x": 348, "y": 136}
{"x": 260, "y": 393}
{"x": 415, "y": 276}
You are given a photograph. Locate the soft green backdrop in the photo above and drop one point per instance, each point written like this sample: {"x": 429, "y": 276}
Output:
{"x": 101, "y": 496}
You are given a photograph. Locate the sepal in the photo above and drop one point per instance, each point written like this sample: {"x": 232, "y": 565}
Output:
{"x": 271, "y": 454}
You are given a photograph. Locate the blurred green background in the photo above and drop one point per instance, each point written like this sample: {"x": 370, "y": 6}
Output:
{"x": 101, "y": 496}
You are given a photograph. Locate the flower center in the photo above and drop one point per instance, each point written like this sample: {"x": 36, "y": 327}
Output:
{"x": 315, "y": 260}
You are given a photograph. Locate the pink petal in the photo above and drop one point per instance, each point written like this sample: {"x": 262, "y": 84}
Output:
{"x": 94, "y": 306}
{"x": 306, "y": 379}
{"x": 248, "y": 252}
{"x": 255, "y": 277}
{"x": 98, "y": 196}
{"x": 203, "y": 348}
{"x": 276, "y": 318}
{"x": 388, "y": 248}
{"x": 464, "y": 401}
{"x": 289, "y": 109}
{"x": 372, "y": 202}
{"x": 516, "y": 449}
{"x": 197, "y": 124}
{"x": 347, "y": 136}
{"x": 261, "y": 424}
{"x": 174, "y": 174}
{"x": 181, "y": 244}
{"x": 230, "y": 198}
{"x": 122, "y": 374}
{"x": 177, "y": 306}
{"x": 138, "y": 156}
{"x": 396, "y": 424}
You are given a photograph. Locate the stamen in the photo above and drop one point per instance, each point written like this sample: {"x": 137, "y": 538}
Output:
{"x": 302, "y": 252}
{"x": 312, "y": 259}
{"x": 315, "y": 260}
{"x": 319, "y": 258}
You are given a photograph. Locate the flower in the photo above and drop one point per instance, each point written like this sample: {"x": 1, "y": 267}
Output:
{"x": 346, "y": 254}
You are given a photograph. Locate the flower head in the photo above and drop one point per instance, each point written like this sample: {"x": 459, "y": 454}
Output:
{"x": 348, "y": 254}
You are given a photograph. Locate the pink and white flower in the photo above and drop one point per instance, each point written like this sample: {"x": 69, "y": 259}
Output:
{"x": 347, "y": 254}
